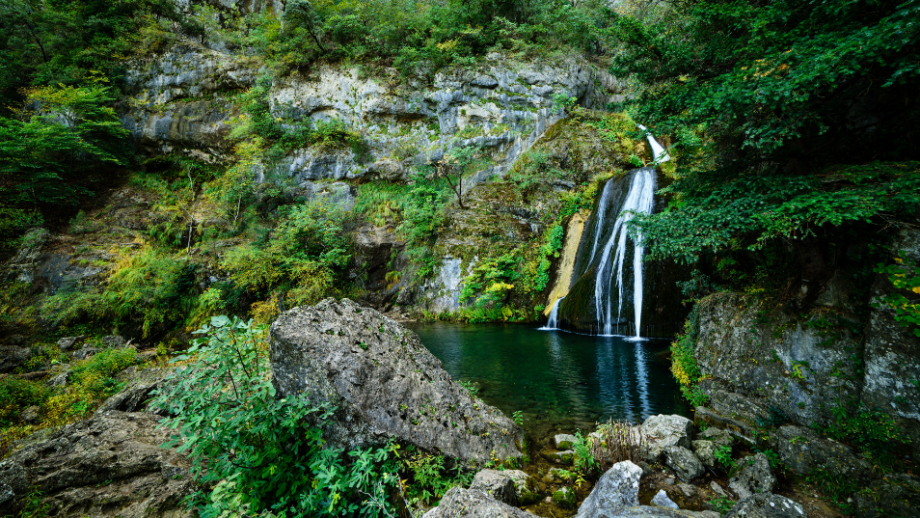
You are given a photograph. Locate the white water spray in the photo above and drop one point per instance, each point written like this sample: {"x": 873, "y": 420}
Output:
{"x": 639, "y": 200}
{"x": 553, "y": 323}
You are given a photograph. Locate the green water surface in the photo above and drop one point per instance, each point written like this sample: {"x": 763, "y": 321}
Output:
{"x": 560, "y": 381}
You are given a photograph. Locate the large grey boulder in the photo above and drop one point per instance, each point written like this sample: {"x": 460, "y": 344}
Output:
{"x": 496, "y": 485}
{"x": 663, "y": 431}
{"x": 684, "y": 463}
{"x": 767, "y": 506}
{"x": 755, "y": 477}
{"x": 473, "y": 503}
{"x": 384, "y": 383}
{"x": 109, "y": 465}
{"x": 616, "y": 490}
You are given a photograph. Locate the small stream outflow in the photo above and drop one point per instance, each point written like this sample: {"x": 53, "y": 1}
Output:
{"x": 552, "y": 324}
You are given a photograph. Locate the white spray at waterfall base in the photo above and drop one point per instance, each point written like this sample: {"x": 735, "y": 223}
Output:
{"x": 553, "y": 323}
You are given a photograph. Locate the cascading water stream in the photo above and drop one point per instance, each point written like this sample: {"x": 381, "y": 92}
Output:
{"x": 605, "y": 293}
{"x": 639, "y": 199}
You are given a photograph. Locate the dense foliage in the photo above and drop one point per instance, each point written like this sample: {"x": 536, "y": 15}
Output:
{"x": 255, "y": 452}
{"x": 789, "y": 117}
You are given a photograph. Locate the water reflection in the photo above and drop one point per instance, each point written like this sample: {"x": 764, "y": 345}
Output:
{"x": 559, "y": 380}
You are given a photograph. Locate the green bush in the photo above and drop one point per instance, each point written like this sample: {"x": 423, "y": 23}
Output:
{"x": 256, "y": 451}
{"x": 16, "y": 395}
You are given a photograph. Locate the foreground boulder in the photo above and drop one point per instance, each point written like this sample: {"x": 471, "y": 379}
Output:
{"x": 384, "y": 383}
{"x": 663, "y": 431}
{"x": 473, "y": 503}
{"x": 617, "y": 489}
{"x": 110, "y": 465}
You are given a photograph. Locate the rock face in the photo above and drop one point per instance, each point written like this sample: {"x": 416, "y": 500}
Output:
{"x": 473, "y": 503}
{"x": 109, "y": 465}
{"x": 802, "y": 450}
{"x": 617, "y": 489}
{"x": 383, "y": 382}
{"x": 663, "y": 431}
{"x": 755, "y": 477}
{"x": 767, "y": 506}
{"x": 684, "y": 463}
{"x": 775, "y": 368}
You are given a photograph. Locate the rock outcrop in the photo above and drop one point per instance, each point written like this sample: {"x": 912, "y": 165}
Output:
{"x": 109, "y": 465}
{"x": 663, "y": 431}
{"x": 777, "y": 368}
{"x": 384, "y": 382}
{"x": 755, "y": 477}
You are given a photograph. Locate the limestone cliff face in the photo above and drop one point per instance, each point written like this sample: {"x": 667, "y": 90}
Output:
{"x": 181, "y": 101}
{"x": 760, "y": 363}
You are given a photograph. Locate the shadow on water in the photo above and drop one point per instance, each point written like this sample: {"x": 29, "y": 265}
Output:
{"x": 560, "y": 381}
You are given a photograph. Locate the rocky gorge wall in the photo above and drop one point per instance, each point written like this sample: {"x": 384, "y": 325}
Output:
{"x": 761, "y": 366}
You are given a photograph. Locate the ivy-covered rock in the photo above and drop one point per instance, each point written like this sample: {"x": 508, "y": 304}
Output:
{"x": 384, "y": 382}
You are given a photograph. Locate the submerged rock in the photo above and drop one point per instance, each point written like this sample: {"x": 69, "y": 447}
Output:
{"x": 564, "y": 441}
{"x": 767, "y": 506}
{"x": 384, "y": 383}
{"x": 109, "y": 465}
{"x": 755, "y": 476}
{"x": 564, "y": 497}
{"x": 473, "y": 503}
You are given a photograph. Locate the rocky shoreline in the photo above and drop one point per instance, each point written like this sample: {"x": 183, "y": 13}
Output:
{"x": 387, "y": 386}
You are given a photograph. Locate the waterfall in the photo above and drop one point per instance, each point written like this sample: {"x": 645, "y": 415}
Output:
{"x": 553, "y": 322}
{"x": 659, "y": 154}
{"x": 607, "y": 293}
{"x": 639, "y": 199}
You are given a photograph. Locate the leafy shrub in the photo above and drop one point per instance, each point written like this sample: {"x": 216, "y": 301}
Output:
{"x": 255, "y": 451}
{"x": 16, "y": 395}
{"x": 683, "y": 361}
{"x": 584, "y": 462}
{"x": 91, "y": 382}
